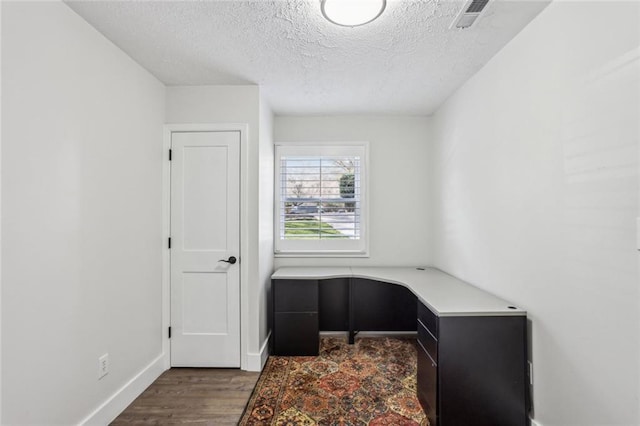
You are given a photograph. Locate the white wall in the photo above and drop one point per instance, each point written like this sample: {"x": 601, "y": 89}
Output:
{"x": 265, "y": 219}
{"x": 399, "y": 211}
{"x": 81, "y": 215}
{"x": 234, "y": 104}
{"x": 535, "y": 189}
{"x": 0, "y": 226}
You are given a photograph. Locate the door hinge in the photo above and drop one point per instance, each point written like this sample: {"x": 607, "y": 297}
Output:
{"x": 169, "y": 242}
{"x": 170, "y": 155}
{"x": 169, "y": 332}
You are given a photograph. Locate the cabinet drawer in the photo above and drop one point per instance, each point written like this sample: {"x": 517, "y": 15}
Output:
{"x": 295, "y": 296}
{"x": 427, "y": 380}
{"x": 428, "y": 318}
{"x": 296, "y": 334}
{"x": 428, "y": 341}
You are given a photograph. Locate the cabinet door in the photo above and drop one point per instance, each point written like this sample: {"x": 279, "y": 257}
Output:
{"x": 296, "y": 334}
{"x": 482, "y": 371}
{"x": 427, "y": 379}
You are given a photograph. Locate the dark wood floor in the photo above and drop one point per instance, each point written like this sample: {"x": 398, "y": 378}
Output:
{"x": 192, "y": 395}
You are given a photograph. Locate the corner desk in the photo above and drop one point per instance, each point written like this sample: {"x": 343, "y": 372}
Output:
{"x": 472, "y": 345}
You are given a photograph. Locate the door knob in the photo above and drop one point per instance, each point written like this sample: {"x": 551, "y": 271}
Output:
{"x": 231, "y": 260}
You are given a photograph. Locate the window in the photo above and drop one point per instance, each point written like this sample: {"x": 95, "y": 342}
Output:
{"x": 320, "y": 200}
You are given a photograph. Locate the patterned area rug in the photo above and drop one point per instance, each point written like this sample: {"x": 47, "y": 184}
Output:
{"x": 372, "y": 382}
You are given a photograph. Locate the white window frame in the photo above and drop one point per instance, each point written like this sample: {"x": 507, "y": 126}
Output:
{"x": 323, "y": 248}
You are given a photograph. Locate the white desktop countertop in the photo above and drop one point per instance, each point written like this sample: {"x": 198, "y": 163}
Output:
{"x": 311, "y": 273}
{"x": 442, "y": 293}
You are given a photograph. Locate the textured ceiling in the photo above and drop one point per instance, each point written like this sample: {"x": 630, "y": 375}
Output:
{"x": 406, "y": 62}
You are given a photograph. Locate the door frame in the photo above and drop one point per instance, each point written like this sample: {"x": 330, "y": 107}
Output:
{"x": 243, "y": 128}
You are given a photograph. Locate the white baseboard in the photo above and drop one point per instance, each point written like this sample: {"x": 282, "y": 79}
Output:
{"x": 535, "y": 423}
{"x": 256, "y": 361}
{"x": 112, "y": 407}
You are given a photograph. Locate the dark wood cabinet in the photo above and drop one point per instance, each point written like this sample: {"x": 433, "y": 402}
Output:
{"x": 296, "y": 321}
{"x": 301, "y": 308}
{"x": 472, "y": 369}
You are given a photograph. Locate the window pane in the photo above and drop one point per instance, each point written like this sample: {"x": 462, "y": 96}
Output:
{"x": 320, "y": 197}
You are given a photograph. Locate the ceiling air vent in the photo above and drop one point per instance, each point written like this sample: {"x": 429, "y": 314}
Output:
{"x": 469, "y": 13}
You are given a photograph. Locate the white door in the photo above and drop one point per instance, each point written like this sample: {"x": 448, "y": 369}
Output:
{"x": 205, "y": 230}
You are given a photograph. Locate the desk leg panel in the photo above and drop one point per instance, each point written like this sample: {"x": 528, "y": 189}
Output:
{"x": 334, "y": 304}
{"x": 379, "y": 306}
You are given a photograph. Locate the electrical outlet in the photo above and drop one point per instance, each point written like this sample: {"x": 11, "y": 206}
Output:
{"x": 530, "y": 372}
{"x": 103, "y": 366}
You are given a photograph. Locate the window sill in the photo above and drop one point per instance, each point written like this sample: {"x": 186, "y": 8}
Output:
{"x": 321, "y": 254}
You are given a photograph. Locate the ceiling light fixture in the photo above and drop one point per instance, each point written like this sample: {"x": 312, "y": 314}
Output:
{"x": 352, "y": 13}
